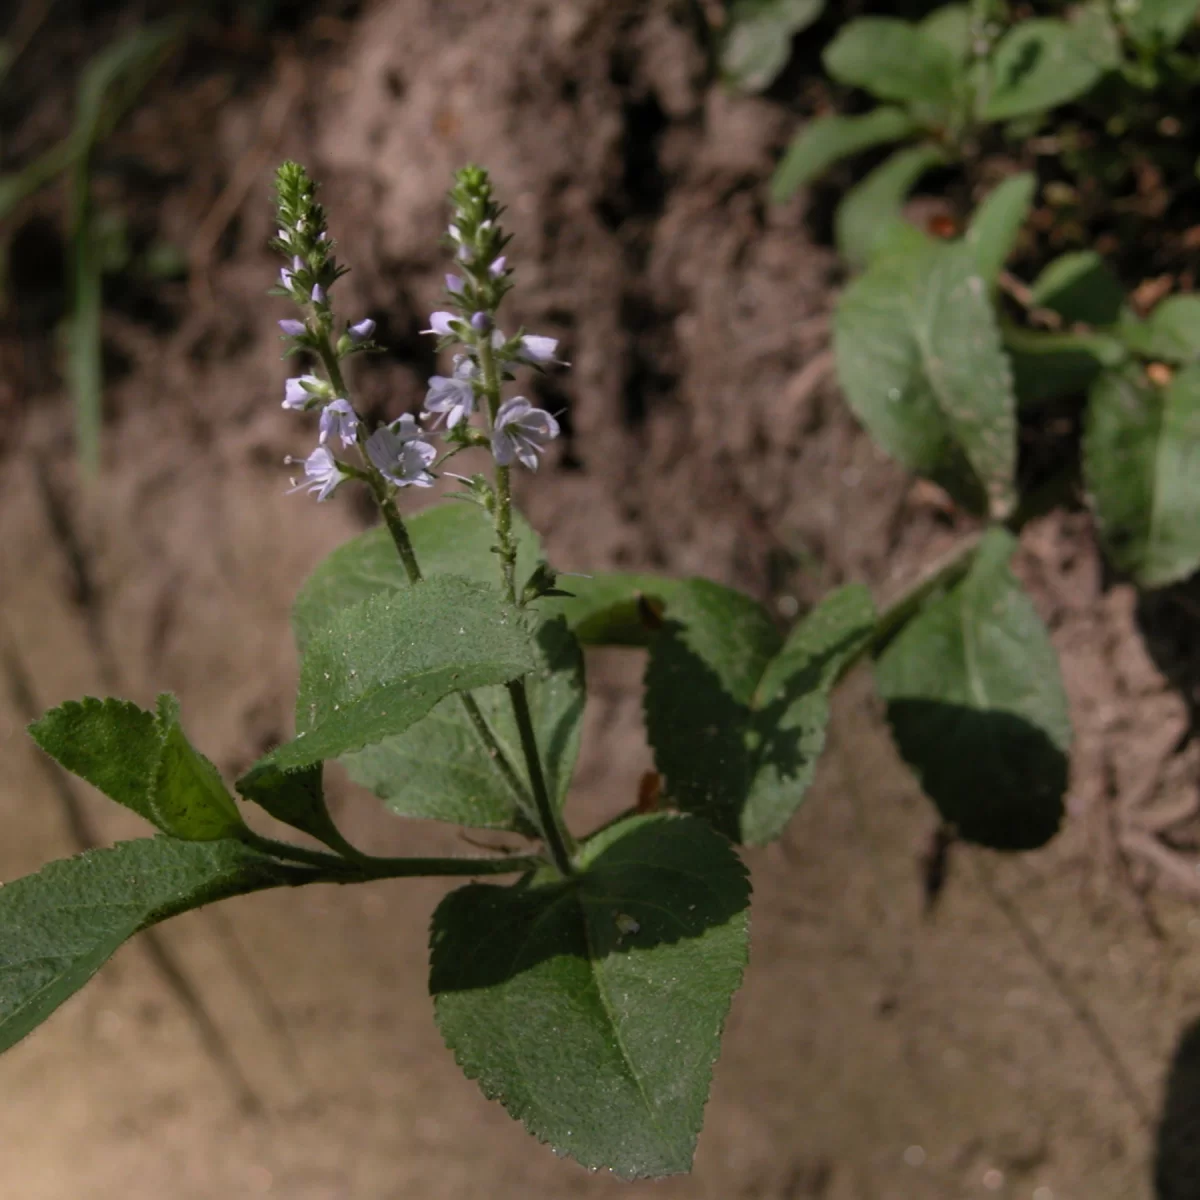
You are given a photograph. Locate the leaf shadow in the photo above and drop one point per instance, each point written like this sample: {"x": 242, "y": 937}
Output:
{"x": 1177, "y": 1138}
{"x": 716, "y": 745}
{"x": 659, "y": 884}
{"x": 995, "y": 776}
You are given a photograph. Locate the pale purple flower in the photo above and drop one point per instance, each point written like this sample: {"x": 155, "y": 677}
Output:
{"x": 362, "y": 331}
{"x": 297, "y": 263}
{"x": 322, "y": 236}
{"x": 304, "y": 391}
{"x": 454, "y": 283}
{"x": 318, "y": 294}
{"x": 285, "y": 278}
{"x": 455, "y": 233}
{"x": 521, "y": 432}
{"x": 497, "y": 268}
{"x": 439, "y": 323}
{"x": 284, "y": 235}
{"x": 321, "y": 474}
{"x": 293, "y": 328}
{"x": 400, "y": 455}
{"x": 338, "y": 420}
{"x": 538, "y": 350}
{"x": 453, "y": 396}
{"x": 481, "y": 322}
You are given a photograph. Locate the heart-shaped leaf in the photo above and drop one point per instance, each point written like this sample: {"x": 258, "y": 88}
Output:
{"x": 592, "y": 1008}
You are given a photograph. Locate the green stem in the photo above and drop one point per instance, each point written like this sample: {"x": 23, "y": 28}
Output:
{"x": 558, "y": 840}
{"x": 496, "y": 754}
{"x": 397, "y": 528}
{"x": 369, "y": 867}
{"x": 505, "y": 545}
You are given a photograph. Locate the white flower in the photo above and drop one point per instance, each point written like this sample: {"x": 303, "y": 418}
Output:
{"x": 521, "y": 432}
{"x": 538, "y": 350}
{"x": 321, "y": 474}
{"x": 453, "y": 396}
{"x": 439, "y": 323}
{"x": 400, "y": 455}
{"x": 304, "y": 392}
{"x": 339, "y": 420}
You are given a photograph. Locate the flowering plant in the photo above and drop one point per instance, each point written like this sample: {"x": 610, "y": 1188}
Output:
{"x": 442, "y": 665}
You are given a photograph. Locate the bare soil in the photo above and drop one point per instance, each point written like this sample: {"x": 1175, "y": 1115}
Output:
{"x": 1026, "y": 1036}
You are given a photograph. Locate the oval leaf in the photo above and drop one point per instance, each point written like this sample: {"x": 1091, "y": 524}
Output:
{"x": 977, "y": 706}
{"x": 758, "y": 39}
{"x": 1171, "y": 332}
{"x": 826, "y": 139}
{"x": 867, "y": 216}
{"x": 62, "y": 924}
{"x": 452, "y": 538}
{"x": 737, "y": 742}
{"x": 918, "y": 354}
{"x": 1141, "y": 461}
{"x": 440, "y": 770}
{"x": 592, "y": 1009}
{"x": 996, "y": 223}
{"x": 1037, "y": 65}
{"x": 1081, "y": 288}
{"x": 894, "y": 60}
{"x": 378, "y": 667}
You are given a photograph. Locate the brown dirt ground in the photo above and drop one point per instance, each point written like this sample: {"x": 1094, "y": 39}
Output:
{"x": 1013, "y": 1042}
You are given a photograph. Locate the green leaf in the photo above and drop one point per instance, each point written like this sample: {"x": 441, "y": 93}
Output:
{"x": 894, "y": 60}
{"x": 758, "y": 39}
{"x": 918, "y": 354}
{"x": 1037, "y": 65}
{"x": 295, "y": 797}
{"x": 977, "y": 706}
{"x": 378, "y": 667}
{"x": 1141, "y": 462}
{"x": 1171, "y": 332}
{"x": 453, "y": 538}
{"x": 996, "y": 223}
{"x": 62, "y": 924}
{"x": 1047, "y": 365}
{"x": 949, "y": 25}
{"x": 737, "y": 726}
{"x": 439, "y": 769}
{"x": 870, "y": 211}
{"x": 1158, "y": 24}
{"x": 142, "y": 761}
{"x": 823, "y": 141}
{"x": 189, "y": 799}
{"x": 1081, "y": 288}
{"x": 592, "y": 1009}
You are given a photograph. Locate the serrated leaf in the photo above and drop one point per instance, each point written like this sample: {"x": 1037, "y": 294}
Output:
{"x": 737, "y": 728}
{"x": 919, "y": 357}
{"x": 143, "y": 761}
{"x": 1046, "y": 365}
{"x": 592, "y": 1009}
{"x": 440, "y": 770}
{"x": 1158, "y": 24}
{"x": 1037, "y": 65}
{"x": 977, "y": 706}
{"x": 997, "y": 221}
{"x": 894, "y": 60}
{"x": 1171, "y": 332}
{"x": 867, "y": 217}
{"x": 58, "y": 927}
{"x": 295, "y": 797}
{"x": 378, "y": 667}
{"x": 452, "y": 538}
{"x": 826, "y": 139}
{"x": 1081, "y": 288}
{"x": 1141, "y": 461}
{"x": 758, "y": 39}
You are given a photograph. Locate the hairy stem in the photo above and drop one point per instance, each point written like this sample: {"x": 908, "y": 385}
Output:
{"x": 365, "y": 866}
{"x": 505, "y": 545}
{"x": 558, "y": 840}
{"x": 496, "y": 754}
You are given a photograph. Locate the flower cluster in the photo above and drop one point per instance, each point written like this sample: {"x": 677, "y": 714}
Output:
{"x": 400, "y": 454}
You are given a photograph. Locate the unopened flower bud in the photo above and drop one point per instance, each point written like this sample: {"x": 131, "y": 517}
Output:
{"x": 362, "y": 331}
{"x": 293, "y": 328}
